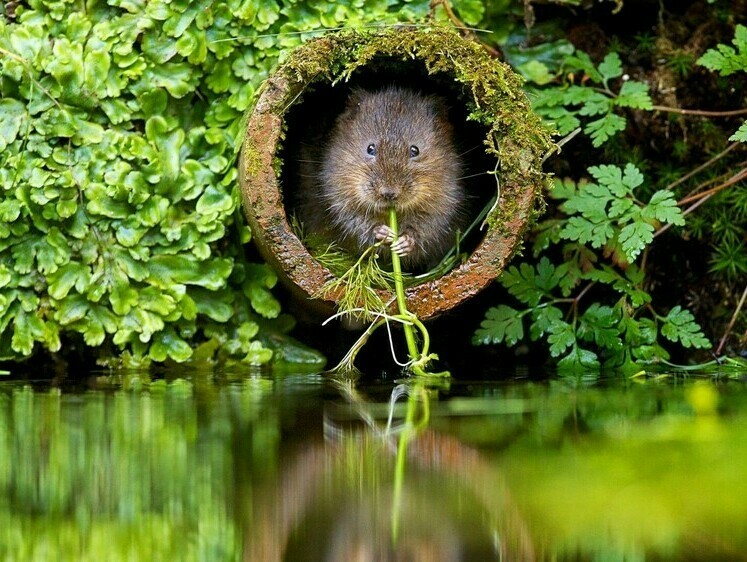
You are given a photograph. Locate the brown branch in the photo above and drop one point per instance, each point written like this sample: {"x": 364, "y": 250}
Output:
{"x": 459, "y": 24}
{"x": 702, "y": 167}
{"x": 704, "y": 196}
{"x": 731, "y": 322}
{"x": 742, "y": 174}
{"x": 701, "y": 112}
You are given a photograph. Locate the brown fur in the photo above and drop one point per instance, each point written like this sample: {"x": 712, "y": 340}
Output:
{"x": 346, "y": 193}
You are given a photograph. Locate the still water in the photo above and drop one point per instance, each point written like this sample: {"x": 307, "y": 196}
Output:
{"x": 299, "y": 467}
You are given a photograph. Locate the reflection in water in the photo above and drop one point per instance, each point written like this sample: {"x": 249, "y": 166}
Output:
{"x": 297, "y": 468}
{"x": 373, "y": 495}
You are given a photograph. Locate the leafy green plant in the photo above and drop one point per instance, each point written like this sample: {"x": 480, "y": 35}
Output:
{"x": 565, "y": 105}
{"x": 728, "y": 60}
{"x": 604, "y": 217}
{"x": 120, "y": 225}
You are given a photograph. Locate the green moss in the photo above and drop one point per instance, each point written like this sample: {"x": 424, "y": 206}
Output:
{"x": 492, "y": 92}
{"x": 252, "y": 160}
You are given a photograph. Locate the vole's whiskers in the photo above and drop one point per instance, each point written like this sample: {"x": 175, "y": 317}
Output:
{"x": 474, "y": 175}
{"x": 469, "y": 150}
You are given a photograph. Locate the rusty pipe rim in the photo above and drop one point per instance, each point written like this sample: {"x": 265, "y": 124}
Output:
{"x": 515, "y": 138}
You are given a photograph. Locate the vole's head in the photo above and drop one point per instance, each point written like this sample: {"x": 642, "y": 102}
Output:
{"x": 389, "y": 148}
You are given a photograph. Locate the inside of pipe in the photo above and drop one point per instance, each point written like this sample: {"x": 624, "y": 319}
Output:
{"x": 313, "y": 114}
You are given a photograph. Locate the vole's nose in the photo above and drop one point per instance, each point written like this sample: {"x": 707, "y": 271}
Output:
{"x": 389, "y": 193}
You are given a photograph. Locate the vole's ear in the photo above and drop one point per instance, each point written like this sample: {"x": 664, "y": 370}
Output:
{"x": 439, "y": 106}
{"x": 355, "y": 97}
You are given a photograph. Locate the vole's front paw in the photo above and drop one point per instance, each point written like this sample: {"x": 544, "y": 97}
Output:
{"x": 404, "y": 245}
{"x": 384, "y": 234}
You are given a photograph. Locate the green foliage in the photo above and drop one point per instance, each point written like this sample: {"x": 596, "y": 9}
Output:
{"x": 120, "y": 215}
{"x": 725, "y": 59}
{"x": 619, "y": 329}
{"x": 566, "y": 105}
{"x": 607, "y": 214}
{"x": 740, "y": 134}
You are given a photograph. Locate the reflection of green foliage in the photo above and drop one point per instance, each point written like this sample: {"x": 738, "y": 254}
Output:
{"x": 602, "y": 215}
{"x": 126, "y": 475}
{"x": 623, "y": 472}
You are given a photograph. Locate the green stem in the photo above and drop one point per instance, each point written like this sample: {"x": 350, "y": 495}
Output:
{"x": 399, "y": 288}
{"x": 399, "y": 470}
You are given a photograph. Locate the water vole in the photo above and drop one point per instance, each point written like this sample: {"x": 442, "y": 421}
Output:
{"x": 392, "y": 147}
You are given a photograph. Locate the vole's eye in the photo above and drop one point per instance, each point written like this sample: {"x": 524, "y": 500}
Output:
{"x": 371, "y": 149}
{"x": 414, "y": 151}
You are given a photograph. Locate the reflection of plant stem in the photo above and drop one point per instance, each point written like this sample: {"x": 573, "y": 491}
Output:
{"x": 407, "y": 432}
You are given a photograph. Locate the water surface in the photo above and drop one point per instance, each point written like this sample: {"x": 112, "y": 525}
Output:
{"x": 300, "y": 467}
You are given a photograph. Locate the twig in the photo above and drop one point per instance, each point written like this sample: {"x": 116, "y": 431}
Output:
{"x": 702, "y": 197}
{"x": 702, "y": 167}
{"x": 731, "y": 322}
{"x": 701, "y": 112}
{"x": 459, "y": 24}
{"x": 740, "y": 175}
{"x": 558, "y": 145}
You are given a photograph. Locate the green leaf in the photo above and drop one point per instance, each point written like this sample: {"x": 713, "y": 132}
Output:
{"x": 634, "y": 94}
{"x": 471, "y": 12}
{"x": 595, "y": 103}
{"x": 663, "y": 207}
{"x": 536, "y": 71}
{"x": 176, "y": 78}
{"x": 582, "y": 61}
{"x": 603, "y": 129}
{"x": 169, "y": 141}
{"x": 727, "y": 60}
{"x": 679, "y": 325}
{"x": 214, "y": 201}
{"x": 610, "y": 67}
{"x": 501, "y": 324}
{"x": 585, "y": 231}
{"x": 68, "y": 276}
{"x": 628, "y": 285}
{"x": 12, "y": 117}
{"x": 598, "y": 324}
{"x": 632, "y": 178}
{"x": 167, "y": 344}
{"x": 257, "y": 354}
{"x": 562, "y": 336}
{"x": 741, "y": 134}
{"x": 544, "y": 320}
{"x": 578, "y": 361}
{"x": 164, "y": 271}
{"x": 634, "y": 238}
{"x": 260, "y": 278}
{"x": 217, "y": 305}
{"x": 522, "y": 283}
